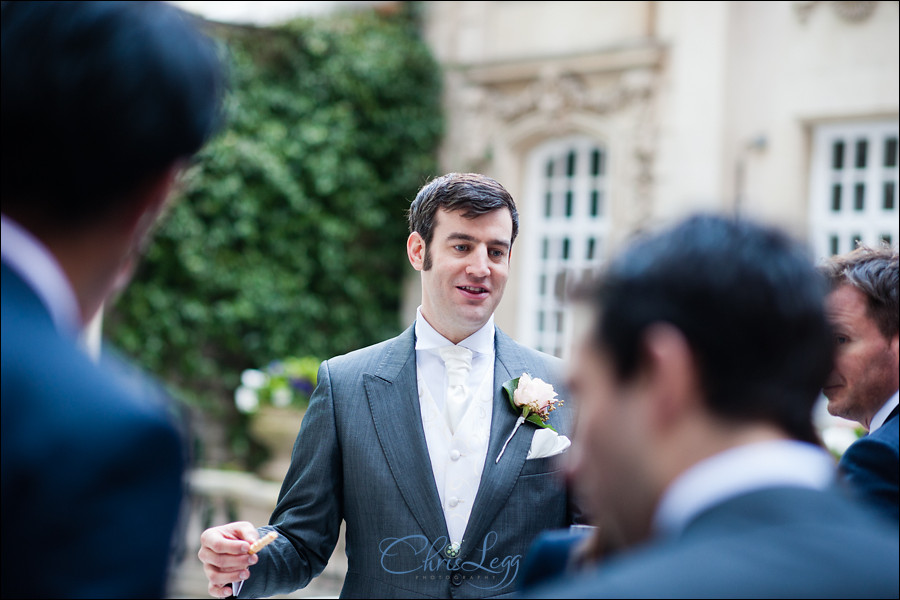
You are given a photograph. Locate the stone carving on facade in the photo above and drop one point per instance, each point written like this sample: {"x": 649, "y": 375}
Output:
{"x": 555, "y": 96}
{"x": 483, "y": 109}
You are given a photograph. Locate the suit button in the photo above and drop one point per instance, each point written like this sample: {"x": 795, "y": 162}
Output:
{"x": 456, "y": 579}
{"x": 454, "y": 455}
{"x": 453, "y": 501}
{"x": 451, "y": 551}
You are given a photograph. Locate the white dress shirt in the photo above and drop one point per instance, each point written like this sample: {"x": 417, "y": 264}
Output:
{"x": 738, "y": 471}
{"x": 430, "y": 366}
{"x": 457, "y": 458}
{"x": 34, "y": 263}
{"x": 882, "y": 414}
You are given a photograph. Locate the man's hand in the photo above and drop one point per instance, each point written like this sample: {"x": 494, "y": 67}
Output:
{"x": 225, "y": 554}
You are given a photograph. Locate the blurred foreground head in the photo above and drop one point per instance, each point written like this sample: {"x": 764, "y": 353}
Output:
{"x": 708, "y": 334}
{"x": 98, "y": 98}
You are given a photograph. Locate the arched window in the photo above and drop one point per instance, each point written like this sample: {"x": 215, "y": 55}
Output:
{"x": 853, "y": 186}
{"x": 564, "y": 235}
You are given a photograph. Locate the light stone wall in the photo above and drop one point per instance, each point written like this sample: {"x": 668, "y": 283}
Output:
{"x": 701, "y": 105}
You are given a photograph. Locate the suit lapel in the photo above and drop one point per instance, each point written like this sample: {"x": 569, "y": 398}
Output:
{"x": 498, "y": 479}
{"x": 393, "y": 398}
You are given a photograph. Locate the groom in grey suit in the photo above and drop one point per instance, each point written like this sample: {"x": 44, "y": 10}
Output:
{"x": 434, "y": 504}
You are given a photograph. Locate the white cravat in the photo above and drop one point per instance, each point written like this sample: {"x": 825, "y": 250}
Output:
{"x": 458, "y": 364}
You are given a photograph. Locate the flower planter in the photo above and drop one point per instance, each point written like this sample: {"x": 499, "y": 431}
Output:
{"x": 276, "y": 428}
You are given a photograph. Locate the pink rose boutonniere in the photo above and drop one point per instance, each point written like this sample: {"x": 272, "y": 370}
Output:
{"x": 534, "y": 398}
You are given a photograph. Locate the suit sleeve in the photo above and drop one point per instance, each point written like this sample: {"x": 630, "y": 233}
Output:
{"x": 310, "y": 505}
{"x": 870, "y": 466}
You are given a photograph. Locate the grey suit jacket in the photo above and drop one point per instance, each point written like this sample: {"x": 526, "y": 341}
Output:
{"x": 361, "y": 457}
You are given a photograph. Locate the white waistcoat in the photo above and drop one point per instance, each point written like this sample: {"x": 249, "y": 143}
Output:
{"x": 458, "y": 460}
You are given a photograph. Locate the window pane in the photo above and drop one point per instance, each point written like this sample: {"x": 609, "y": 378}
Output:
{"x": 540, "y": 323}
{"x": 836, "y": 197}
{"x": 595, "y": 162}
{"x": 565, "y": 249}
{"x": 595, "y": 203}
{"x": 560, "y": 286}
{"x": 570, "y": 164}
{"x": 568, "y": 203}
{"x": 888, "y": 202}
{"x": 542, "y": 285}
{"x": 833, "y": 244}
{"x": 859, "y": 195}
{"x": 549, "y": 169}
{"x": 862, "y": 147}
{"x": 545, "y": 249}
{"x": 890, "y": 152}
{"x": 886, "y": 239}
{"x": 591, "y": 246}
{"x": 854, "y": 240}
{"x": 548, "y": 205}
{"x": 559, "y": 322}
{"x": 837, "y": 155}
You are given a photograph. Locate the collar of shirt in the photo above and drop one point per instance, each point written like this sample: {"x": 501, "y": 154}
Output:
{"x": 882, "y": 414}
{"x": 34, "y": 263}
{"x": 738, "y": 471}
{"x": 430, "y": 370}
{"x": 428, "y": 338}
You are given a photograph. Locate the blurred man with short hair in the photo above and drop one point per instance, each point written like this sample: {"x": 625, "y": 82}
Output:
{"x": 694, "y": 450}
{"x": 102, "y": 102}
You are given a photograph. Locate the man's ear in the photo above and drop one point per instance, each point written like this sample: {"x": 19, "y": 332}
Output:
{"x": 415, "y": 250}
{"x": 672, "y": 374}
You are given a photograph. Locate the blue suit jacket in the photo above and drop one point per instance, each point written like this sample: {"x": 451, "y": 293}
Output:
{"x": 361, "y": 457}
{"x": 871, "y": 465}
{"x": 782, "y": 542}
{"x": 93, "y": 466}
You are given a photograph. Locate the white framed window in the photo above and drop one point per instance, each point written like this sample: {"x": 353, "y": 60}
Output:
{"x": 565, "y": 223}
{"x": 853, "y": 186}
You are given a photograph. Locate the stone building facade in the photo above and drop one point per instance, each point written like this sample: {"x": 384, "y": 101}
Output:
{"x": 605, "y": 118}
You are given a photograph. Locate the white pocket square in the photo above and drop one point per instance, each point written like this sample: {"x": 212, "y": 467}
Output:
{"x": 547, "y": 442}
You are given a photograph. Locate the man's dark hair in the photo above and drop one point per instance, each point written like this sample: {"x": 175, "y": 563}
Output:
{"x": 97, "y": 98}
{"x": 875, "y": 273}
{"x": 750, "y": 304}
{"x": 472, "y": 194}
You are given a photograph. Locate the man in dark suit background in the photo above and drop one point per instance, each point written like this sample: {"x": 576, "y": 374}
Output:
{"x": 694, "y": 451}
{"x": 102, "y": 102}
{"x": 864, "y": 310}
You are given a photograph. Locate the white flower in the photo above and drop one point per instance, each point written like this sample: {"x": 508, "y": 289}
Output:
{"x": 254, "y": 379}
{"x": 536, "y": 394}
{"x": 535, "y": 399}
{"x": 282, "y": 397}
{"x": 246, "y": 399}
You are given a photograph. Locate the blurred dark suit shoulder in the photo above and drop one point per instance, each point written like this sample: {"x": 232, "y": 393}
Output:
{"x": 781, "y": 542}
{"x": 90, "y": 455}
{"x": 871, "y": 466}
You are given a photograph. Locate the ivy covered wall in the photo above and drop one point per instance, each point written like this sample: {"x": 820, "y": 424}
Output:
{"x": 287, "y": 237}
